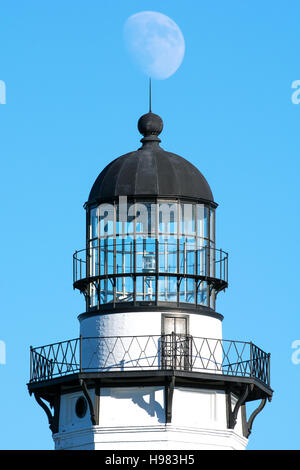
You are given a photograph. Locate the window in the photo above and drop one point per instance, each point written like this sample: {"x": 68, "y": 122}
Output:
{"x": 81, "y": 407}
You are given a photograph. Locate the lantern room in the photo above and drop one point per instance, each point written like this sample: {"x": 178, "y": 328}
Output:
{"x": 150, "y": 237}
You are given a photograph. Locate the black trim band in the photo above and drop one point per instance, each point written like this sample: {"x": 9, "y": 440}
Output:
{"x": 108, "y": 309}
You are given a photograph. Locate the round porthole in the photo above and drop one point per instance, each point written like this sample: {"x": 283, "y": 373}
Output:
{"x": 81, "y": 407}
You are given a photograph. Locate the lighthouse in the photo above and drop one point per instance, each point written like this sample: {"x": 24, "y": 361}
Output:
{"x": 150, "y": 368}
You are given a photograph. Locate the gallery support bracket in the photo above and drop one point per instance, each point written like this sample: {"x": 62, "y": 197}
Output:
{"x": 233, "y": 413}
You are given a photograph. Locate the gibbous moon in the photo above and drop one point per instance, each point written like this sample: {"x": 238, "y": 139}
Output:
{"x": 155, "y": 43}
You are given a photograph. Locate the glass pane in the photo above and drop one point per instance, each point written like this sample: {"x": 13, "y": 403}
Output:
{"x": 106, "y": 291}
{"x": 121, "y": 216}
{"x": 168, "y": 217}
{"x": 187, "y": 291}
{"x": 212, "y": 226}
{"x": 145, "y": 255}
{"x": 202, "y": 294}
{"x": 187, "y": 255}
{"x": 168, "y": 254}
{"x": 94, "y": 223}
{"x": 145, "y": 288}
{"x": 172, "y": 255}
{"x": 201, "y": 260}
{"x": 167, "y": 287}
{"x": 212, "y": 262}
{"x": 93, "y": 296}
{"x": 106, "y": 219}
{"x": 124, "y": 289}
{"x": 124, "y": 256}
{"x": 190, "y": 298}
{"x": 110, "y": 255}
{"x": 103, "y": 257}
{"x": 171, "y": 289}
{"x": 202, "y": 221}
{"x": 169, "y": 325}
{"x": 93, "y": 253}
{"x": 180, "y": 326}
{"x": 190, "y": 256}
{"x": 162, "y": 288}
{"x": 187, "y": 215}
{"x": 130, "y": 224}
{"x": 143, "y": 218}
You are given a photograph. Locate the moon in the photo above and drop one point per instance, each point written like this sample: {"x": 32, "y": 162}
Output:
{"x": 155, "y": 43}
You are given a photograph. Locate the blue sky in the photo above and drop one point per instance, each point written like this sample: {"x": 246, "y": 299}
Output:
{"x": 73, "y": 99}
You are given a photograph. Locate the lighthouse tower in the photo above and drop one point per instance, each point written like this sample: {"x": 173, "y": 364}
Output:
{"x": 150, "y": 368}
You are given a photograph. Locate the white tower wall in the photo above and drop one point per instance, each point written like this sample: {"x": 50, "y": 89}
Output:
{"x": 133, "y": 418}
{"x": 110, "y": 352}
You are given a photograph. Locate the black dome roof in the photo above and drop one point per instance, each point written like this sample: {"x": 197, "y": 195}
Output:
{"x": 150, "y": 171}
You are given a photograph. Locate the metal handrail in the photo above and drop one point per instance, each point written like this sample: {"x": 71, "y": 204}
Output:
{"x": 82, "y": 258}
{"x": 155, "y": 352}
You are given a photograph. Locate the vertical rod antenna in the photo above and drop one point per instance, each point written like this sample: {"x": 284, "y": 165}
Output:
{"x": 149, "y": 95}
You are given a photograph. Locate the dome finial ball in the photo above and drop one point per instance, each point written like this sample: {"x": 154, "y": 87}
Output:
{"x": 150, "y": 124}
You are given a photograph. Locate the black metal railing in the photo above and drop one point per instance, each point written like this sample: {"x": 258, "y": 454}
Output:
{"x": 115, "y": 273}
{"x": 123, "y": 259}
{"x": 165, "y": 352}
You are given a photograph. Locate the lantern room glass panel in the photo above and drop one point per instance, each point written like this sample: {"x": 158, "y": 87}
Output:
{"x": 124, "y": 289}
{"x": 188, "y": 219}
{"x": 106, "y": 220}
{"x": 167, "y": 254}
{"x": 124, "y": 256}
{"x": 167, "y": 217}
{"x": 94, "y": 223}
{"x": 145, "y": 289}
{"x": 145, "y": 249}
{"x": 167, "y": 287}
